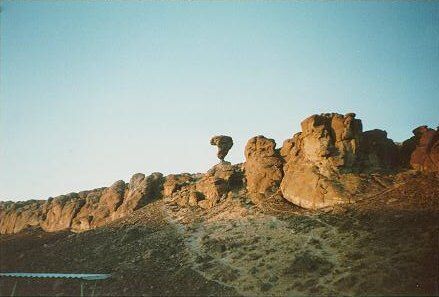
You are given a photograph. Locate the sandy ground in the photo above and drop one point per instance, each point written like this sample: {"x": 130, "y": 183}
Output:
{"x": 385, "y": 244}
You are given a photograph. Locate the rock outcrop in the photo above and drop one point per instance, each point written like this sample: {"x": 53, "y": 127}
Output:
{"x": 217, "y": 182}
{"x": 318, "y": 166}
{"x": 224, "y": 144}
{"x": 141, "y": 190}
{"x": 317, "y": 159}
{"x": 329, "y": 162}
{"x": 84, "y": 210}
{"x": 175, "y": 182}
{"x": 421, "y": 152}
{"x": 377, "y": 151}
{"x": 263, "y": 167}
{"x": 15, "y": 217}
{"x": 59, "y": 212}
{"x": 207, "y": 190}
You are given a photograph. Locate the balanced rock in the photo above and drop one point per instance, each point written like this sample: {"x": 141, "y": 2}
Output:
{"x": 224, "y": 144}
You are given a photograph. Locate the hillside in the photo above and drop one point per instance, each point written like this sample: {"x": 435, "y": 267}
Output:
{"x": 334, "y": 211}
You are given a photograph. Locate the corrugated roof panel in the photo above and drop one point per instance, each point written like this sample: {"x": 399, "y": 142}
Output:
{"x": 83, "y": 276}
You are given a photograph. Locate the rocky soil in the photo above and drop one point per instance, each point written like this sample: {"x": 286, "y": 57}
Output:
{"x": 387, "y": 244}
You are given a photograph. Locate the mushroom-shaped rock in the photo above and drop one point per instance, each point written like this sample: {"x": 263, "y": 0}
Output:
{"x": 224, "y": 144}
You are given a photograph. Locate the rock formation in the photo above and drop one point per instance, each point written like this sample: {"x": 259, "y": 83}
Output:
{"x": 84, "y": 210}
{"x": 377, "y": 151}
{"x": 175, "y": 182}
{"x": 217, "y": 182}
{"x": 316, "y": 159}
{"x": 207, "y": 190}
{"x": 17, "y": 216}
{"x": 263, "y": 167}
{"x": 327, "y": 163}
{"x": 318, "y": 166}
{"x": 224, "y": 144}
{"x": 421, "y": 151}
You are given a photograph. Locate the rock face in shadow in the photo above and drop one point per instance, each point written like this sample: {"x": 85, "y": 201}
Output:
{"x": 421, "y": 152}
{"x": 378, "y": 151}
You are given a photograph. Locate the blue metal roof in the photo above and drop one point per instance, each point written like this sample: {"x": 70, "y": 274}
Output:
{"x": 83, "y": 276}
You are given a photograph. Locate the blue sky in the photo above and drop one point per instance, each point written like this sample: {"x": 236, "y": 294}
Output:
{"x": 92, "y": 92}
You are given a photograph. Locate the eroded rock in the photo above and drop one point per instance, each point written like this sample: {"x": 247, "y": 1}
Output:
{"x": 82, "y": 211}
{"x": 15, "y": 217}
{"x": 263, "y": 167}
{"x": 378, "y": 151}
{"x": 316, "y": 159}
{"x": 175, "y": 182}
{"x": 224, "y": 144}
{"x": 421, "y": 152}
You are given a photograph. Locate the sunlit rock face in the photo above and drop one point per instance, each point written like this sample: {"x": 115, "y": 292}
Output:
{"x": 206, "y": 190}
{"x": 317, "y": 157}
{"x": 17, "y": 216}
{"x": 323, "y": 161}
{"x": 330, "y": 161}
{"x": 263, "y": 167}
{"x": 84, "y": 210}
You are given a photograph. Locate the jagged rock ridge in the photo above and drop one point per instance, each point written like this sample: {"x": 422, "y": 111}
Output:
{"x": 327, "y": 163}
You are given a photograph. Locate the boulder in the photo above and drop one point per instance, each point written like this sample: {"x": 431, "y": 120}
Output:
{"x": 60, "y": 211}
{"x": 316, "y": 159}
{"x": 421, "y": 152}
{"x": 194, "y": 198}
{"x": 377, "y": 151}
{"x": 15, "y": 217}
{"x": 331, "y": 138}
{"x": 175, "y": 182}
{"x": 208, "y": 189}
{"x": 224, "y": 144}
{"x": 263, "y": 167}
{"x": 140, "y": 191}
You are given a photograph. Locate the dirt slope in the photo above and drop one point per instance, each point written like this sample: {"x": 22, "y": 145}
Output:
{"x": 387, "y": 244}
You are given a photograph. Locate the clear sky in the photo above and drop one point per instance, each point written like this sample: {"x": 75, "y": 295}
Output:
{"x": 92, "y": 92}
